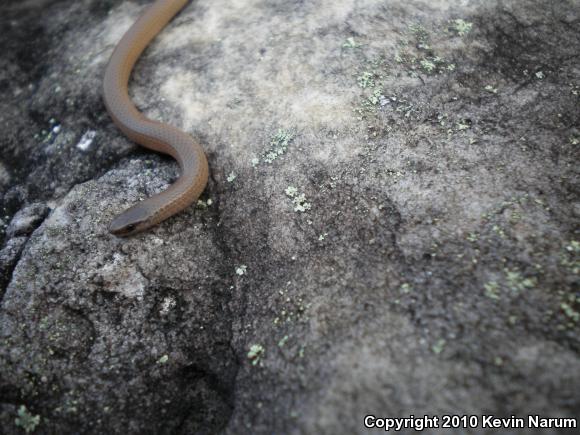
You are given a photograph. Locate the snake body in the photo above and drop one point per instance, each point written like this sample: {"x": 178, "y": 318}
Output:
{"x": 148, "y": 133}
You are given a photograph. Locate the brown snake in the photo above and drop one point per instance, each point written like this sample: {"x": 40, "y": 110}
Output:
{"x": 151, "y": 134}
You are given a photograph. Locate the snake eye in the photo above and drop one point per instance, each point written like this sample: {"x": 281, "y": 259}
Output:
{"x": 127, "y": 223}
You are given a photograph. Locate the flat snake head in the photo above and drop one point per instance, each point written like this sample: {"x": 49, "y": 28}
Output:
{"x": 131, "y": 221}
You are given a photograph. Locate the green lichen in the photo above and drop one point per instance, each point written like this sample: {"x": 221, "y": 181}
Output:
{"x": 298, "y": 199}
{"x": 491, "y": 289}
{"x": 472, "y": 237}
{"x": 241, "y": 270}
{"x": 570, "y": 257}
{"x": 300, "y": 203}
{"x": 403, "y": 57}
{"x": 439, "y": 345}
{"x": 370, "y": 80}
{"x": 350, "y": 43}
{"x": 256, "y": 353}
{"x": 278, "y": 145}
{"x": 231, "y": 177}
{"x": 515, "y": 217}
{"x": 405, "y": 288}
{"x": 201, "y": 204}
{"x": 291, "y": 191}
{"x": 435, "y": 64}
{"x": 421, "y": 36}
{"x": 376, "y": 96}
{"x": 301, "y": 351}
{"x": 499, "y": 231}
{"x": 44, "y": 323}
{"x": 462, "y": 125}
{"x": 163, "y": 359}
{"x": 292, "y": 309}
{"x": 570, "y": 312}
{"x": 26, "y": 420}
{"x": 427, "y": 65}
{"x": 517, "y": 282}
{"x": 282, "y": 138}
{"x": 366, "y": 80}
{"x": 461, "y": 27}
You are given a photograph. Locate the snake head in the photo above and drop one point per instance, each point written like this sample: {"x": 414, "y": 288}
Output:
{"x": 131, "y": 221}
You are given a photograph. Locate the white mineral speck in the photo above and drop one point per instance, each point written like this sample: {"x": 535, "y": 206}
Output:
{"x": 87, "y": 140}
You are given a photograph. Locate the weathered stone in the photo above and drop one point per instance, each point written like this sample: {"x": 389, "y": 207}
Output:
{"x": 27, "y": 220}
{"x": 389, "y": 225}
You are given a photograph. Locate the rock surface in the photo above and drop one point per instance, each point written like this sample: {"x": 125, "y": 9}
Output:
{"x": 389, "y": 226}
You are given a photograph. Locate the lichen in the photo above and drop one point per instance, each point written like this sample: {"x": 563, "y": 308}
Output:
{"x": 517, "y": 282}
{"x": 301, "y": 351}
{"x": 405, "y": 288}
{"x": 366, "y": 80}
{"x": 570, "y": 257}
{"x": 291, "y": 191}
{"x": 26, "y": 420}
{"x": 427, "y": 65}
{"x": 570, "y": 312}
{"x": 439, "y": 345}
{"x": 201, "y": 204}
{"x": 256, "y": 353}
{"x": 461, "y": 27}
{"x": 278, "y": 146}
{"x": 462, "y": 125}
{"x": 283, "y": 341}
{"x": 350, "y": 43}
{"x": 491, "y": 289}
{"x": 421, "y": 35}
{"x": 298, "y": 199}
{"x": 472, "y": 237}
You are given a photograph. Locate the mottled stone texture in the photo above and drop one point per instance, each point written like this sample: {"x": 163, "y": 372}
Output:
{"x": 388, "y": 227}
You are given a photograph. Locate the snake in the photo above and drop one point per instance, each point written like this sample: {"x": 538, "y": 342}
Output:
{"x": 154, "y": 135}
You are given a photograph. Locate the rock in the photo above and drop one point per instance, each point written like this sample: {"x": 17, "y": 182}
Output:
{"x": 388, "y": 229}
{"x": 9, "y": 256}
{"x": 27, "y": 220}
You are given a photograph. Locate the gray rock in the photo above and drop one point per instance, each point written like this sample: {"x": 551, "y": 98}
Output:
{"x": 26, "y": 220}
{"x": 9, "y": 256}
{"x": 389, "y": 227}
